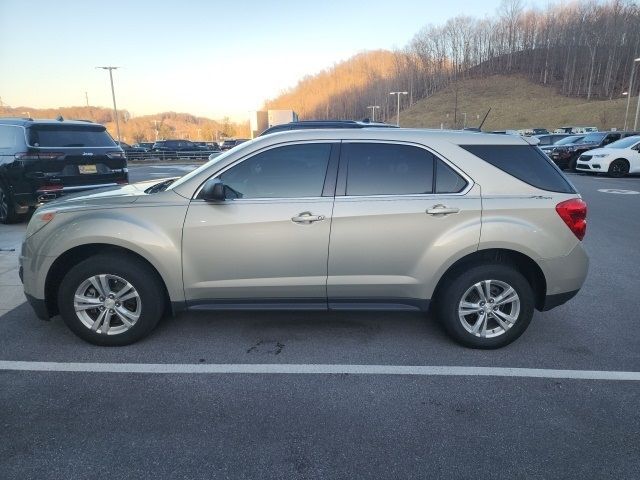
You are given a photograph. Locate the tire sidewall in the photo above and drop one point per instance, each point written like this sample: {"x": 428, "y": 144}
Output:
{"x": 619, "y": 174}
{"x": 453, "y": 292}
{"x": 131, "y": 269}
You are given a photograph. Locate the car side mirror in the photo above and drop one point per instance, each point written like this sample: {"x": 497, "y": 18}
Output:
{"x": 213, "y": 191}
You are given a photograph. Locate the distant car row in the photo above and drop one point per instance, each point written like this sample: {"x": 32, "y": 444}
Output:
{"x": 178, "y": 146}
{"x": 616, "y": 152}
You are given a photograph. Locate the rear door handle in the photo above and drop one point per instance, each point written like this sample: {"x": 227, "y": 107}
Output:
{"x": 307, "y": 217}
{"x": 442, "y": 210}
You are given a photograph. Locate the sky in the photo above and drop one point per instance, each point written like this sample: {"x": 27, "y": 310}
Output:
{"x": 208, "y": 58}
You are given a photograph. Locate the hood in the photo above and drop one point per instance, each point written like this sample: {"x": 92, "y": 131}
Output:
{"x": 101, "y": 197}
{"x": 600, "y": 151}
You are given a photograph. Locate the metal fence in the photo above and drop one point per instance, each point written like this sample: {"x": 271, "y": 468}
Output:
{"x": 198, "y": 155}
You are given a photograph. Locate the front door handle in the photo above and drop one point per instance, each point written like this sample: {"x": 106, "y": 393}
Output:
{"x": 307, "y": 217}
{"x": 442, "y": 210}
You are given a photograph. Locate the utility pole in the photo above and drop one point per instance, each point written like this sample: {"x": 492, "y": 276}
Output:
{"x": 155, "y": 124}
{"x": 630, "y": 91}
{"x": 113, "y": 95}
{"x": 398, "y": 114}
{"x": 373, "y": 111}
{"x": 86, "y": 97}
{"x": 455, "y": 109}
{"x": 464, "y": 125}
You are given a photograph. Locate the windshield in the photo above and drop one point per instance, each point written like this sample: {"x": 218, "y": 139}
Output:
{"x": 594, "y": 137}
{"x": 568, "y": 140}
{"x": 625, "y": 142}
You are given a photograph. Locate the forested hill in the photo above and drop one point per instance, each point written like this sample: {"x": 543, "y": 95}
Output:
{"x": 581, "y": 49}
{"x": 143, "y": 128}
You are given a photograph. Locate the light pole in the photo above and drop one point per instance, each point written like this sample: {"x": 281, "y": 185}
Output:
{"x": 630, "y": 92}
{"x": 373, "y": 111}
{"x": 113, "y": 95}
{"x": 155, "y": 124}
{"x": 464, "y": 124}
{"x": 398, "y": 114}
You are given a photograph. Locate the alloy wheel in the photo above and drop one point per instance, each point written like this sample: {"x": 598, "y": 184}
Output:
{"x": 107, "y": 304}
{"x": 489, "y": 308}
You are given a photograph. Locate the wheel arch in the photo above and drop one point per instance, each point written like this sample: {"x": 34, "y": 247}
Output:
{"x": 523, "y": 263}
{"x": 77, "y": 254}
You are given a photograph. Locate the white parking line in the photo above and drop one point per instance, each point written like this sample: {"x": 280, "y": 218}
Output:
{"x": 316, "y": 369}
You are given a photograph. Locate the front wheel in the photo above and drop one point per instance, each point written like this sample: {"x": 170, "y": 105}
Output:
{"x": 486, "y": 306}
{"x": 618, "y": 168}
{"x": 111, "y": 300}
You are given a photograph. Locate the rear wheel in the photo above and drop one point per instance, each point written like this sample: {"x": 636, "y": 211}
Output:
{"x": 618, "y": 168}
{"x": 486, "y": 306}
{"x": 111, "y": 299}
{"x": 7, "y": 207}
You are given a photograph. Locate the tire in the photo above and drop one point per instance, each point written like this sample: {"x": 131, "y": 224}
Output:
{"x": 491, "y": 332}
{"x": 571, "y": 164}
{"x": 130, "y": 319}
{"x": 7, "y": 207}
{"x": 618, "y": 168}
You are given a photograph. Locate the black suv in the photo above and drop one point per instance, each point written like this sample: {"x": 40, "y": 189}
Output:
{"x": 323, "y": 124}
{"x": 174, "y": 146}
{"x": 566, "y": 156}
{"x": 43, "y": 159}
{"x": 229, "y": 144}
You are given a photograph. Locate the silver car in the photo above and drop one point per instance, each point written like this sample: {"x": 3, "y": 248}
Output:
{"x": 481, "y": 229}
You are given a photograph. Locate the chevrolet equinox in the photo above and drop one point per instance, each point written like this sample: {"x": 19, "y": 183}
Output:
{"x": 482, "y": 229}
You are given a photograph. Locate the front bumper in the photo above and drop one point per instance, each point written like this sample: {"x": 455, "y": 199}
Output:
{"x": 597, "y": 165}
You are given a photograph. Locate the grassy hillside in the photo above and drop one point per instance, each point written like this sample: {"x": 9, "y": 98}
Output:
{"x": 515, "y": 103}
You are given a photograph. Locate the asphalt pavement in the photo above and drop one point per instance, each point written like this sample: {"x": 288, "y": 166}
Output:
{"x": 69, "y": 425}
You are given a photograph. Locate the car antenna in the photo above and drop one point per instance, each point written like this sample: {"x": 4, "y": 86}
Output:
{"x": 485, "y": 117}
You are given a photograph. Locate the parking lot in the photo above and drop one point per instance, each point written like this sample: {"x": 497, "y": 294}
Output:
{"x": 195, "y": 399}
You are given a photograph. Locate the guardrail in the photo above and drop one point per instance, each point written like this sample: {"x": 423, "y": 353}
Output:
{"x": 170, "y": 156}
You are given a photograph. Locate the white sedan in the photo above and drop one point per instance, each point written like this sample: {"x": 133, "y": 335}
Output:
{"x": 616, "y": 159}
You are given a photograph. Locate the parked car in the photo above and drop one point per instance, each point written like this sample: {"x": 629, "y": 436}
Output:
{"x": 566, "y": 156}
{"x": 229, "y": 144}
{"x": 130, "y": 149}
{"x": 617, "y": 159}
{"x": 337, "y": 219}
{"x": 202, "y": 146}
{"x": 213, "y": 146}
{"x": 568, "y": 140}
{"x": 43, "y": 159}
{"x": 147, "y": 146}
{"x": 575, "y": 129}
{"x": 315, "y": 124}
{"x": 533, "y": 131}
{"x": 544, "y": 140}
{"x": 174, "y": 146}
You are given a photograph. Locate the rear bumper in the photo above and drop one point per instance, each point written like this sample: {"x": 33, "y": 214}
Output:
{"x": 553, "y": 301}
{"x": 564, "y": 276}
{"x": 46, "y": 193}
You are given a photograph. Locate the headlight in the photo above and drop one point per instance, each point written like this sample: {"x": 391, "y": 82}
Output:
{"x": 600, "y": 155}
{"x": 38, "y": 221}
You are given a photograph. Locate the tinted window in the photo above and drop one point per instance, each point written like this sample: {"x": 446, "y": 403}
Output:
{"x": 594, "y": 137}
{"x": 524, "y": 162}
{"x": 10, "y": 136}
{"x": 69, "y": 136}
{"x": 386, "y": 169}
{"x": 447, "y": 180}
{"x": 282, "y": 172}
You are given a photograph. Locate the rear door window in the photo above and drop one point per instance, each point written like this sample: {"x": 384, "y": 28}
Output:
{"x": 10, "y": 136}
{"x": 447, "y": 179}
{"x": 69, "y": 136}
{"x": 524, "y": 162}
{"x": 387, "y": 169}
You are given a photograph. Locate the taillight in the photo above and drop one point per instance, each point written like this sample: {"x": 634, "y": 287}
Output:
{"x": 115, "y": 155}
{"x": 39, "y": 155}
{"x": 574, "y": 213}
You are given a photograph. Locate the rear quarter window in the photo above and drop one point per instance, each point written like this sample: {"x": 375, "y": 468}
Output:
{"x": 10, "y": 136}
{"x": 524, "y": 162}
